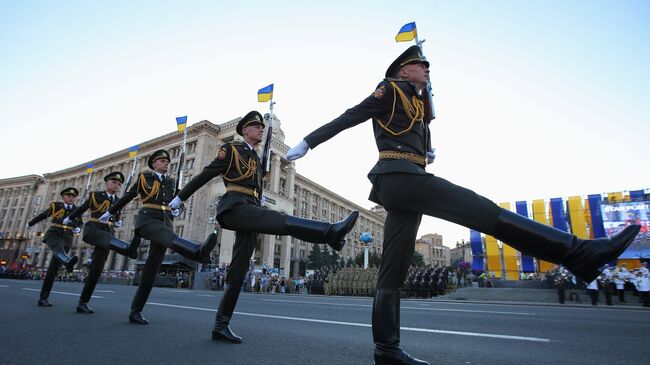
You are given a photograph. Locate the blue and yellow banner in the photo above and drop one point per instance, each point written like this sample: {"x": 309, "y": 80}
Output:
{"x": 407, "y": 33}
{"x": 527, "y": 262}
{"x": 265, "y": 93}
{"x": 181, "y": 123}
{"x": 133, "y": 151}
{"x": 89, "y": 168}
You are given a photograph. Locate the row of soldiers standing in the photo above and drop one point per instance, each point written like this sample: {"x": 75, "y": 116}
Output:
{"x": 426, "y": 282}
{"x": 352, "y": 281}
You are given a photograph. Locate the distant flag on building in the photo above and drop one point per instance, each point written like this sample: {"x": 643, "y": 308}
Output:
{"x": 133, "y": 151}
{"x": 181, "y": 123}
{"x": 265, "y": 93}
{"x": 89, "y": 168}
{"x": 407, "y": 33}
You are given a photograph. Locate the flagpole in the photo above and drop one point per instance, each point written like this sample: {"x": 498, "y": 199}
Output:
{"x": 87, "y": 186}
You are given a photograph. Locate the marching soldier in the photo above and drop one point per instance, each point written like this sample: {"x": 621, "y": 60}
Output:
{"x": 401, "y": 115}
{"x": 607, "y": 284}
{"x": 240, "y": 210}
{"x": 59, "y": 239}
{"x": 100, "y": 235}
{"x": 154, "y": 222}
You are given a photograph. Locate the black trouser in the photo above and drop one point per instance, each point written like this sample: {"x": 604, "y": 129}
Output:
{"x": 593, "y": 293}
{"x": 560, "y": 294}
{"x": 406, "y": 198}
{"x": 607, "y": 290}
{"x": 161, "y": 235}
{"x": 96, "y": 268}
{"x": 52, "y": 270}
{"x": 645, "y": 298}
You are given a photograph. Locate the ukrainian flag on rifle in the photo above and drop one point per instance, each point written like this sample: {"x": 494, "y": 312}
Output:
{"x": 407, "y": 33}
{"x": 181, "y": 123}
{"x": 89, "y": 168}
{"x": 265, "y": 93}
{"x": 133, "y": 151}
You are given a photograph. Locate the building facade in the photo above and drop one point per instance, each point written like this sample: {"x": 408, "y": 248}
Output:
{"x": 285, "y": 191}
{"x": 433, "y": 252}
{"x": 461, "y": 253}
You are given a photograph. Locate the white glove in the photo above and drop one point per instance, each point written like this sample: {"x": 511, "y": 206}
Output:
{"x": 262, "y": 201}
{"x": 117, "y": 224}
{"x": 299, "y": 151}
{"x": 431, "y": 155}
{"x": 176, "y": 212}
{"x": 175, "y": 203}
{"x": 76, "y": 230}
{"x": 105, "y": 217}
{"x": 28, "y": 227}
{"x": 66, "y": 221}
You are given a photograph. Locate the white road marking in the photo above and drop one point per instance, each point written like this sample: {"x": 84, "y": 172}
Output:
{"x": 4, "y": 286}
{"x": 206, "y": 295}
{"x": 353, "y": 324}
{"x": 104, "y": 291}
{"x": 62, "y": 292}
{"x": 403, "y": 307}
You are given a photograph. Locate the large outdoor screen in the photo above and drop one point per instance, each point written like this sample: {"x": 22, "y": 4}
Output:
{"x": 617, "y": 216}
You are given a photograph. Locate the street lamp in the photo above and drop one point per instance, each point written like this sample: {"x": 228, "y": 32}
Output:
{"x": 366, "y": 240}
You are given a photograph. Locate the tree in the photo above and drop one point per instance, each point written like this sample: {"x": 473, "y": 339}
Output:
{"x": 374, "y": 259}
{"x": 316, "y": 258}
{"x": 417, "y": 259}
{"x": 350, "y": 262}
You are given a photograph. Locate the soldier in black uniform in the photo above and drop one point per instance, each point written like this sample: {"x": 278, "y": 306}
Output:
{"x": 240, "y": 210}
{"x": 59, "y": 239}
{"x": 100, "y": 235}
{"x": 154, "y": 222}
{"x": 401, "y": 115}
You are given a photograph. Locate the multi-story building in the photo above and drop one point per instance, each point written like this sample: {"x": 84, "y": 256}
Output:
{"x": 18, "y": 203}
{"x": 285, "y": 191}
{"x": 433, "y": 252}
{"x": 461, "y": 253}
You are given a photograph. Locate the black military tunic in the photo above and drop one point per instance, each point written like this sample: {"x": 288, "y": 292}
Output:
{"x": 58, "y": 238}
{"x": 400, "y": 183}
{"x": 58, "y": 233}
{"x": 97, "y": 234}
{"x": 153, "y": 222}
{"x": 239, "y": 209}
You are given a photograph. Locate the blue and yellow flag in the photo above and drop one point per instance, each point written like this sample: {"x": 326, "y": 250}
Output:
{"x": 265, "y": 93}
{"x": 133, "y": 151}
{"x": 89, "y": 168}
{"x": 181, "y": 123}
{"x": 407, "y": 33}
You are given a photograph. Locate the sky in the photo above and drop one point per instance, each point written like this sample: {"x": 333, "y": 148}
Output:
{"x": 534, "y": 99}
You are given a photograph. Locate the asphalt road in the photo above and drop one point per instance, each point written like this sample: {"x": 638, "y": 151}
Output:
{"x": 301, "y": 329}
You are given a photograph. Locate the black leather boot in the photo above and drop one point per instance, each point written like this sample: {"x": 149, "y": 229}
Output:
{"x": 83, "y": 308}
{"x": 67, "y": 261}
{"x": 385, "y": 330}
{"x": 192, "y": 251}
{"x": 133, "y": 247}
{"x": 584, "y": 258}
{"x": 123, "y": 248}
{"x": 321, "y": 232}
{"x": 221, "y": 330}
{"x": 136, "y": 317}
{"x": 43, "y": 302}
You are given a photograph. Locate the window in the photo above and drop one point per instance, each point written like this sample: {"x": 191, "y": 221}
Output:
{"x": 189, "y": 164}
{"x": 302, "y": 254}
{"x": 190, "y": 148}
{"x": 179, "y": 230}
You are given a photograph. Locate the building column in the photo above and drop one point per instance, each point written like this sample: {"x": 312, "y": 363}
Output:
{"x": 291, "y": 180}
{"x": 285, "y": 256}
{"x": 276, "y": 166}
{"x": 268, "y": 250}
{"x": 227, "y": 243}
{"x": 108, "y": 265}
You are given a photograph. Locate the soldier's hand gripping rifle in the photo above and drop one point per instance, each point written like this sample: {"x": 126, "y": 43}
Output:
{"x": 266, "y": 155}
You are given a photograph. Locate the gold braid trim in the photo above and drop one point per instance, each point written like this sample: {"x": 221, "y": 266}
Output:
{"x": 249, "y": 166}
{"x": 414, "y": 111}
{"x": 56, "y": 214}
{"x": 398, "y": 155}
{"x": 94, "y": 207}
{"x": 148, "y": 190}
{"x": 243, "y": 190}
